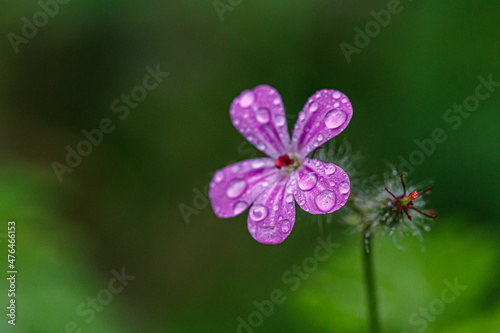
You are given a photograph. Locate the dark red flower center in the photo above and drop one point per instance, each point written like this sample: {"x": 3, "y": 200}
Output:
{"x": 283, "y": 161}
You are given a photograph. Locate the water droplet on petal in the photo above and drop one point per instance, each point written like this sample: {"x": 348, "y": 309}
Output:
{"x": 302, "y": 116}
{"x": 286, "y": 226}
{"x": 344, "y": 187}
{"x": 261, "y": 145}
{"x": 265, "y": 183}
{"x": 247, "y": 99}
{"x": 336, "y": 94}
{"x": 276, "y": 208}
{"x": 302, "y": 202}
{"x": 263, "y": 115}
{"x": 329, "y": 169}
{"x": 313, "y": 106}
{"x": 276, "y": 101}
{"x": 308, "y": 181}
{"x": 335, "y": 118}
{"x": 280, "y": 120}
{"x": 257, "y": 164}
{"x": 239, "y": 207}
{"x": 344, "y": 100}
{"x": 269, "y": 234}
{"x": 236, "y": 168}
{"x": 236, "y": 122}
{"x": 289, "y": 198}
{"x": 258, "y": 212}
{"x": 235, "y": 188}
{"x": 319, "y": 137}
{"x": 219, "y": 176}
{"x": 325, "y": 200}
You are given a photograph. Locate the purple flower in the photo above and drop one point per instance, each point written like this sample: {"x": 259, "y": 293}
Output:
{"x": 272, "y": 185}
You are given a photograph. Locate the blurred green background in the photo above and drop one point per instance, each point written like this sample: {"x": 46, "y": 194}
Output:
{"x": 119, "y": 208}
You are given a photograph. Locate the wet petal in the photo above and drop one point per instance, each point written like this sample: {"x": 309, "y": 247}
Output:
{"x": 259, "y": 115}
{"x": 234, "y": 188}
{"x": 272, "y": 215}
{"x": 325, "y": 115}
{"x": 320, "y": 187}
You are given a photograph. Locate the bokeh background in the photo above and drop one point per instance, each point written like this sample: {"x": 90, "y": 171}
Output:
{"x": 119, "y": 208}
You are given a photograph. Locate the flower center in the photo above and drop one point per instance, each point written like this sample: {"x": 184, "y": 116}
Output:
{"x": 284, "y": 161}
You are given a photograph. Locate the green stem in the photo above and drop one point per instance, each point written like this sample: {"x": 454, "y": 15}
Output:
{"x": 366, "y": 246}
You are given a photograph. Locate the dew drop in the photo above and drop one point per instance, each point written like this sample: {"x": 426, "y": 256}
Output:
{"x": 336, "y": 95}
{"x": 302, "y": 116}
{"x": 313, "y": 106}
{"x": 235, "y": 188}
{"x": 308, "y": 181}
{"x": 258, "y": 212}
{"x": 239, "y": 207}
{"x": 329, "y": 169}
{"x": 263, "y": 115}
{"x": 276, "y": 101}
{"x": 247, "y": 99}
{"x": 344, "y": 187}
{"x": 279, "y": 120}
{"x": 335, "y": 118}
{"x": 325, "y": 200}
{"x": 257, "y": 164}
{"x": 219, "y": 176}
{"x": 276, "y": 208}
{"x": 302, "y": 202}
{"x": 236, "y": 122}
{"x": 265, "y": 183}
{"x": 289, "y": 198}
{"x": 268, "y": 234}
{"x": 319, "y": 137}
{"x": 286, "y": 226}
{"x": 261, "y": 145}
{"x": 236, "y": 168}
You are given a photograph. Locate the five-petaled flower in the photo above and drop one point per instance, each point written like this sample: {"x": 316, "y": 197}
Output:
{"x": 273, "y": 184}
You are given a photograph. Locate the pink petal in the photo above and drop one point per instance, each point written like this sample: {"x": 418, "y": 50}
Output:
{"x": 259, "y": 115}
{"x": 235, "y": 187}
{"x": 272, "y": 215}
{"x": 320, "y": 187}
{"x": 325, "y": 115}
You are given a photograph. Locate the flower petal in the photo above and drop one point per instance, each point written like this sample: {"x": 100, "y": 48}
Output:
{"x": 259, "y": 115}
{"x": 235, "y": 187}
{"x": 272, "y": 216}
{"x": 325, "y": 115}
{"x": 320, "y": 187}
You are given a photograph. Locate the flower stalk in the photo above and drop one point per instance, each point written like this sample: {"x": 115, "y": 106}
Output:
{"x": 371, "y": 292}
